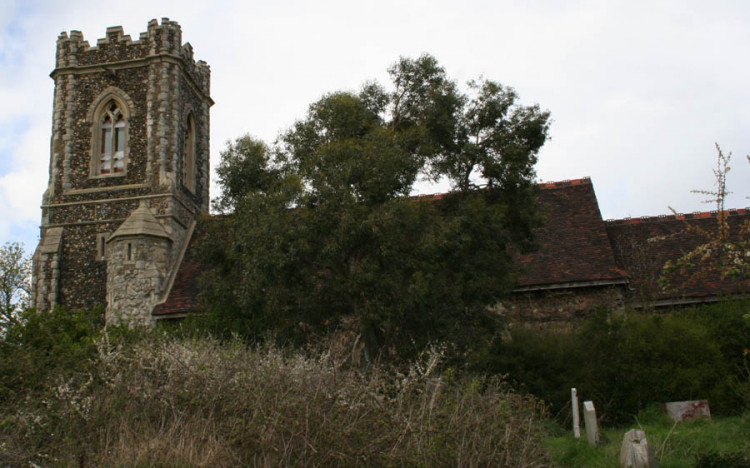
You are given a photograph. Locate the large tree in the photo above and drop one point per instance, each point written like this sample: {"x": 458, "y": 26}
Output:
{"x": 324, "y": 227}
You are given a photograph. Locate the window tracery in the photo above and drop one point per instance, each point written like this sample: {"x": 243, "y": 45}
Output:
{"x": 111, "y": 140}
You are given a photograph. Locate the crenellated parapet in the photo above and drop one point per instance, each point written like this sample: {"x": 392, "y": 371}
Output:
{"x": 160, "y": 40}
{"x": 130, "y": 127}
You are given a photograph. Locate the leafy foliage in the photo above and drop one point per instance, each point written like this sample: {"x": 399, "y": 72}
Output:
{"x": 323, "y": 227}
{"x": 15, "y": 272}
{"x": 40, "y": 344}
{"x": 244, "y": 168}
{"x": 626, "y": 362}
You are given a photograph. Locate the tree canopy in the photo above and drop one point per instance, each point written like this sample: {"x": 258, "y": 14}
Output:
{"x": 323, "y": 226}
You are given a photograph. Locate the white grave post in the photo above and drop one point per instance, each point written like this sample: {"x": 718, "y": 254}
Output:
{"x": 589, "y": 417}
{"x": 576, "y": 415}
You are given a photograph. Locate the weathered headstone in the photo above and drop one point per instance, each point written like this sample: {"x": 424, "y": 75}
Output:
{"x": 576, "y": 415}
{"x": 686, "y": 410}
{"x": 589, "y": 417}
{"x": 636, "y": 451}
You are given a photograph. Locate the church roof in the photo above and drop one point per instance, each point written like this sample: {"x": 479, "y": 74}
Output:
{"x": 573, "y": 247}
{"x": 183, "y": 296}
{"x": 642, "y": 246}
{"x": 141, "y": 222}
{"x": 577, "y": 248}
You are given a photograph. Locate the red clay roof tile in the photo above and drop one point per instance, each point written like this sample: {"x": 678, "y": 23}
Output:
{"x": 575, "y": 247}
{"x": 573, "y": 243}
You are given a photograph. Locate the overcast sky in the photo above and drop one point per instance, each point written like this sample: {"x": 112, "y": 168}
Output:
{"x": 639, "y": 91}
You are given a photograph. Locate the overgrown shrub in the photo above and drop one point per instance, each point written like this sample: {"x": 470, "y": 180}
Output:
{"x": 624, "y": 362}
{"x": 201, "y": 402}
{"x": 44, "y": 344}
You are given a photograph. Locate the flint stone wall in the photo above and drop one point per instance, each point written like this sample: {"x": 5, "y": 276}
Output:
{"x": 136, "y": 282}
{"x": 160, "y": 83}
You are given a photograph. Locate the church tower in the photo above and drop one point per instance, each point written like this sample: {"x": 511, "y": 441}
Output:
{"x": 129, "y": 170}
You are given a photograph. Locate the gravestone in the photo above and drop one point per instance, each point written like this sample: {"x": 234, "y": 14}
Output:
{"x": 636, "y": 451}
{"x": 686, "y": 410}
{"x": 576, "y": 415}
{"x": 589, "y": 417}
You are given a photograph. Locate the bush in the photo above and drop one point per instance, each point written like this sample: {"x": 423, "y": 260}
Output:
{"x": 43, "y": 344}
{"x": 167, "y": 401}
{"x": 624, "y": 362}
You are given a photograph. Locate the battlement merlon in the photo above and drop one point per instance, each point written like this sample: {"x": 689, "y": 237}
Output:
{"x": 159, "y": 41}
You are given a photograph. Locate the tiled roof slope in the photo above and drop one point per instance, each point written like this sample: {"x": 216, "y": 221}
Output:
{"x": 643, "y": 245}
{"x": 574, "y": 249}
{"x": 183, "y": 297}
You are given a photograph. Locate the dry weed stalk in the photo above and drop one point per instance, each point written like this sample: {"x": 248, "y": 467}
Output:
{"x": 201, "y": 402}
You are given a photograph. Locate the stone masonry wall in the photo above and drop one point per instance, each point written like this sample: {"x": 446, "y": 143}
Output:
{"x": 159, "y": 82}
{"x": 137, "y": 269}
{"x": 46, "y": 271}
{"x": 559, "y": 309}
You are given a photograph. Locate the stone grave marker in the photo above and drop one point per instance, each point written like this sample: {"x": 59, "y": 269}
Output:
{"x": 686, "y": 410}
{"x": 576, "y": 415}
{"x": 636, "y": 451}
{"x": 589, "y": 417}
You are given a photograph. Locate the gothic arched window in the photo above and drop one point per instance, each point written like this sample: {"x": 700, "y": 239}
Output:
{"x": 111, "y": 136}
{"x": 188, "y": 172}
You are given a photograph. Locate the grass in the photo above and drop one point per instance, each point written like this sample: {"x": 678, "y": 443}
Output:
{"x": 722, "y": 442}
{"x": 72, "y": 394}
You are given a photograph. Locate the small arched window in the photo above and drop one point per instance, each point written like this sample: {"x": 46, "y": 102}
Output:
{"x": 188, "y": 173}
{"x": 110, "y": 151}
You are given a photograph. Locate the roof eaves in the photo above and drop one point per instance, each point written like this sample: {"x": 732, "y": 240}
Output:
{"x": 571, "y": 285}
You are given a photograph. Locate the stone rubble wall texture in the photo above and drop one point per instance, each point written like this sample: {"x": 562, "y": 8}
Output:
{"x": 134, "y": 285}
{"x": 559, "y": 309}
{"x": 160, "y": 84}
{"x": 46, "y": 271}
